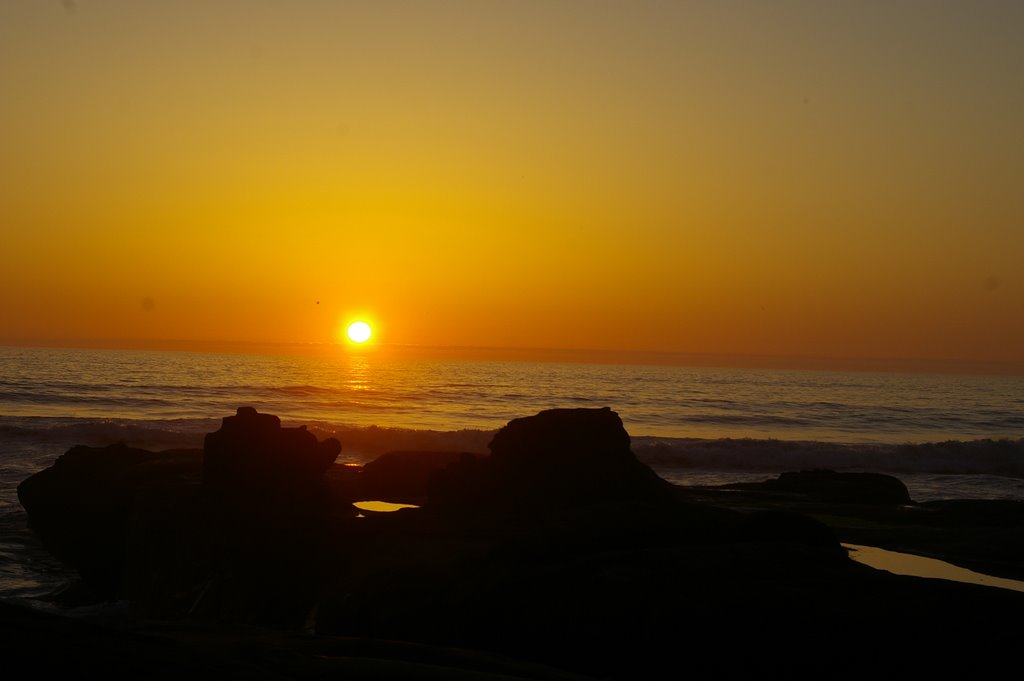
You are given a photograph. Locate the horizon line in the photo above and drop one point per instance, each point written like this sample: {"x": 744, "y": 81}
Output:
{"x": 553, "y": 354}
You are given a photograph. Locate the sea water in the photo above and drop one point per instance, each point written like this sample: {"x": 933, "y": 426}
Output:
{"x": 946, "y": 436}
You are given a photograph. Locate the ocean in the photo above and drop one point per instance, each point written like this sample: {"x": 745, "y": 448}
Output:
{"x": 945, "y": 436}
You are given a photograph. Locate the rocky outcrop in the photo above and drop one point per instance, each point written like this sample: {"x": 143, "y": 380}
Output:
{"x": 252, "y": 454}
{"x": 557, "y": 458}
{"x": 836, "y": 487}
{"x": 785, "y": 526}
{"x": 238, "y": 530}
{"x": 270, "y": 519}
{"x": 88, "y": 505}
{"x": 403, "y": 475}
{"x": 559, "y": 549}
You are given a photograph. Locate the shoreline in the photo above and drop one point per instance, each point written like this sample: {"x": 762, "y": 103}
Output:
{"x": 31, "y": 434}
{"x": 560, "y": 552}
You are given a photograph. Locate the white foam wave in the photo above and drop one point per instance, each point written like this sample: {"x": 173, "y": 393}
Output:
{"x": 361, "y": 443}
{"x": 992, "y": 457}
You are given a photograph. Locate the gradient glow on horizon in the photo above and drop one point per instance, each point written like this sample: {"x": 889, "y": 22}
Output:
{"x": 793, "y": 178}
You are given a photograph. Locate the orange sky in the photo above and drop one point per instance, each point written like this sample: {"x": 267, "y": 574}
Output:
{"x": 795, "y": 178}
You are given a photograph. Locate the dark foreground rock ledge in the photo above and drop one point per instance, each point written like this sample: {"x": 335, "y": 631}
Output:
{"x": 559, "y": 551}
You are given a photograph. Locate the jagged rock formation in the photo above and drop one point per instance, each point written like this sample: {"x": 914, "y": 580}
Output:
{"x": 238, "y": 530}
{"x": 252, "y": 454}
{"x": 558, "y": 549}
{"x": 92, "y": 503}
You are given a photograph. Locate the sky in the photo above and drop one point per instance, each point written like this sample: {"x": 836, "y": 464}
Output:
{"x": 798, "y": 179}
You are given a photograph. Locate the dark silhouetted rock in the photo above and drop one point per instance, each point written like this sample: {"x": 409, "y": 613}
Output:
{"x": 557, "y": 458}
{"x": 977, "y": 512}
{"x": 252, "y": 453}
{"x": 240, "y": 531}
{"x": 559, "y": 549}
{"x": 402, "y": 475}
{"x": 786, "y": 526}
{"x": 834, "y": 487}
{"x": 85, "y": 507}
{"x": 270, "y": 518}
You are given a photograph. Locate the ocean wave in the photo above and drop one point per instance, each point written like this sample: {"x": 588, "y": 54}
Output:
{"x": 992, "y": 457}
{"x": 360, "y": 443}
{"x": 156, "y": 435}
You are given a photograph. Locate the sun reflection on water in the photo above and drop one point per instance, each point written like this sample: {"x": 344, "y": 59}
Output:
{"x": 359, "y": 374}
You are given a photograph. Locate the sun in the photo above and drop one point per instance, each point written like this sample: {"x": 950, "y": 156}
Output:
{"x": 359, "y": 332}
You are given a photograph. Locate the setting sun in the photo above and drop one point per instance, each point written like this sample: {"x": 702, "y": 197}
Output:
{"x": 359, "y": 332}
